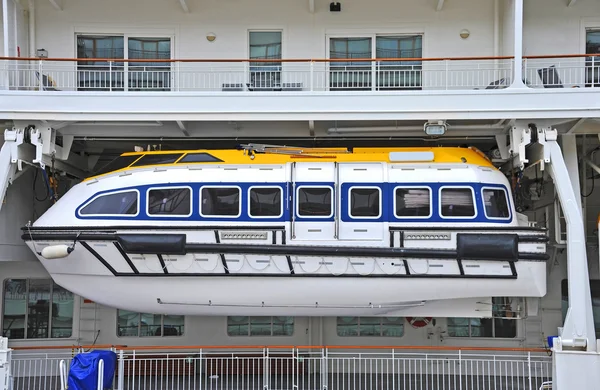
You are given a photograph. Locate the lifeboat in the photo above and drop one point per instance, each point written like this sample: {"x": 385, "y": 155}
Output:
{"x": 268, "y": 230}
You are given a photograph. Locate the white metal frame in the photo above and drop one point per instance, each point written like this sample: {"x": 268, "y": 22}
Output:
{"x": 474, "y": 216}
{"x": 267, "y": 216}
{"x": 379, "y": 193}
{"x": 505, "y": 198}
{"x": 169, "y": 215}
{"x": 418, "y": 188}
{"x": 109, "y": 215}
{"x": 217, "y": 215}
{"x": 297, "y": 204}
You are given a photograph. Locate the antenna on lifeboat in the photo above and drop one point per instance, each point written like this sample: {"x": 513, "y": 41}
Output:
{"x": 252, "y": 149}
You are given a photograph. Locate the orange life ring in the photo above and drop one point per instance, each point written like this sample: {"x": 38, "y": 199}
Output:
{"x": 418, "y": 322}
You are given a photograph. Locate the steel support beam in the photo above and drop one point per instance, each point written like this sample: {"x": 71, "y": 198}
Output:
{"x": 569, "y": 145}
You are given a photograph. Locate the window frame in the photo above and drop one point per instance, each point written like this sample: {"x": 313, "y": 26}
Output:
{"x": 365, "y": 188}
{"x": 139, "y": 327}
{"x": 507, "y": 203}
{"x": 97, "y": 196}
{"x": 169, "y": 215}
{"x": 297, "y": 202}
{"x": 493, "y": 325}
{"x": 265, "y": 216}
{"x": 380, "y": 325}
{"x": 26, "y": 319}
{"x": 475, "y": 208}
{"x": 417, "y": 188}
{"x": 240, "y": 202}
{"x": 250, "y": 324}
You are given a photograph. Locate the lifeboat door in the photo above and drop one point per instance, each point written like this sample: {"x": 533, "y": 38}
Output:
{"x": 313, "y": 201}
{"x": 361, "y": 201}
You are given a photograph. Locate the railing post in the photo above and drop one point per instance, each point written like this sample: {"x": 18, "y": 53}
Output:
{"x": 460, "y": 369}
{"x": 312, "y": 75}
{"x": 110, "y": 76}
{"x": 41, "y": 76}
{"x": 447, "y": 71}
{"x": 200, "y": 358}
{"x": 593, "y": 72}
{"x": 324, "y": 370}
{"x": 266, "y": 368}
{"x": 525, "y": 68}
{"x": 121, "y": 374}
{"x": 529, "y": 370}
{"x": 100, "y": 375}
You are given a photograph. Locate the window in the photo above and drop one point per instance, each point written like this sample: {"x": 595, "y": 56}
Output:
{"x": 157, "y": 159}
{"x": 265, "y": 45}
{"x": 503, "y": 323}
{"x": 36, "y": 309}
{"x": 592, "y": 64}
{"x": 265, "y": 202}
{"x": 389, "y": 75}
{"x": 412, "y": 202}
{"x": 365, "y": 202}
{"x": 457, "y": 202}
{"x": 496, "y": 203}
{"x": 595, "y": 291}
{"x": 370, "y": 326}
{"x": 260, "y": 326}
{"x": 170, "y": 201}
{"x": 315, "y": 201}
{"x": 198, "y": 158}
{"x": 116, "y": 164}
{"x": 118, "y": 203}
{"x": 132, "y": 324}
{"x": 220, "y": 201}
{"x": 111, "y": 75}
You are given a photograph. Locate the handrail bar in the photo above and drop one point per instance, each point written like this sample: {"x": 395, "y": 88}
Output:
{"x": 331, "y": 347}
{"x": 200, "y": 60}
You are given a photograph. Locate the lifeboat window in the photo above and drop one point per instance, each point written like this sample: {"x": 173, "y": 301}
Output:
{"x": 198, "y": 158}
{"x": 265, "y": 202}
{"x": 118, "y": 203}
{"x": 496, "y": 203}
{"x": 116, "y": 164}
{"x": 365, "y": 202}
{"x": 457, "y": 202}
{"x": 315, "y": 201}
{"x": 413, "y": 202}
{"x": 170, "y": 201}
{"x": 157, "y": 159}
{"x": 220, "y": 201}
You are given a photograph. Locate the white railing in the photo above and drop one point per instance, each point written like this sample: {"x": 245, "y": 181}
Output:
{"x": 573, "y": 71}
{"x": 304, "y": 368}
{"x": 404, "y": 74}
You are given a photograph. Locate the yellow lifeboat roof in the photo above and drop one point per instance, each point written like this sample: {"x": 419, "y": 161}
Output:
{"x": 264, "y": 155}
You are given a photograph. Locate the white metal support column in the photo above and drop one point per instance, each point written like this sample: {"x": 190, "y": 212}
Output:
{"x": 569, "y": 146}
{"x": 575, "y": 359}
{"x": 518, "y": 35}
{"x": 5, "y": 358}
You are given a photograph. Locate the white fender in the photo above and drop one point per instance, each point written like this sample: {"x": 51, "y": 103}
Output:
{"x": 56, "y": 251}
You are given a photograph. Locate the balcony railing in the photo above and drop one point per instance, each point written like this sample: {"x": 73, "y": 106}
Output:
{"x": 294, "y": 75}
{"x": 302, "y": 368}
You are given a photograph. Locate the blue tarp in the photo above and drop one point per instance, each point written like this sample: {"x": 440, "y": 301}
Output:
{"x": 83, "y": 374}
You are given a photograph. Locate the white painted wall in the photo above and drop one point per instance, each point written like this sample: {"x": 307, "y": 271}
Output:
{"x": 304, "y": 33}
{"x": 549, "y": 26}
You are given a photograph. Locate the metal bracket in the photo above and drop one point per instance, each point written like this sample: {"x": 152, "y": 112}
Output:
{"x": 520, "y": 138}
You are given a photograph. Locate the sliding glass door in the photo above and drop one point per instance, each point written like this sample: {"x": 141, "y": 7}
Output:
{"x": 103, "y": 74}
{"x": 378, "y": 75}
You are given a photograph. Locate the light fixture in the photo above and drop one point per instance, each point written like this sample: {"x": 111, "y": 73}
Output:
{"x": 211, "y": 37}
{"x": 42, "y": 53}
{"x": 464, "y": 34}
{"x": 435, "y": 128}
